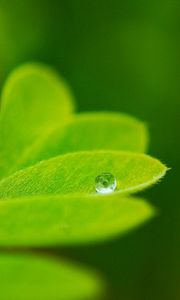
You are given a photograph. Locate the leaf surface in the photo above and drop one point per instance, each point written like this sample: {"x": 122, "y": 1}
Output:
{"x": 34, "y": 100}
{"x": 30, "y": 277}
{"x": 68, "y": 220}
{"x": 90, "y": 131}
{"x": 76, "y": 173}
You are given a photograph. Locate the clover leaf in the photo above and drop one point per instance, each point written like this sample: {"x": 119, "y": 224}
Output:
{"x": 76, "y": 172}
{"x": 49, "y": 159}
{"x": 65, "y": 220}
{"x": 34, "y": 100}
{"x": 87, "y": 131}
{"x": 25, "y": 276}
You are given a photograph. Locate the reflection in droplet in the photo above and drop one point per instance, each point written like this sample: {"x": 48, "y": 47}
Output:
{"x": 105, "y": 183}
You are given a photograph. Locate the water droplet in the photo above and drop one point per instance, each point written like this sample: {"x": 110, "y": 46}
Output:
{"x": 105, "y": 183}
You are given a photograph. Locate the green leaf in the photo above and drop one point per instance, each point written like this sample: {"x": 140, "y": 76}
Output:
{"x": 29, "y": 277}
{"x": 76, "y": 173}
{"x": 34, "y": 101}
{"x": 90, "y": 131}
{"x": 70, "y": 219}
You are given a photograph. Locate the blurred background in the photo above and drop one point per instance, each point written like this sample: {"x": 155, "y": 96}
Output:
{"x": 117, "y": 56}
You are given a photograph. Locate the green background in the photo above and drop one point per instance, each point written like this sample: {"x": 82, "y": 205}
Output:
{"x": 117, "y": 56}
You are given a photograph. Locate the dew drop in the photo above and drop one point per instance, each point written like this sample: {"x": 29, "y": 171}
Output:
{"x": 105, "y": 183}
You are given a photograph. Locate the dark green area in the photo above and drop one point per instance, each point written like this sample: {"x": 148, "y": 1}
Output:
{"x": 122, "y": 56}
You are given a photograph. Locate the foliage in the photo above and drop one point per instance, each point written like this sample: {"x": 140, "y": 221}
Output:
{"x": 49, "y": 160}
